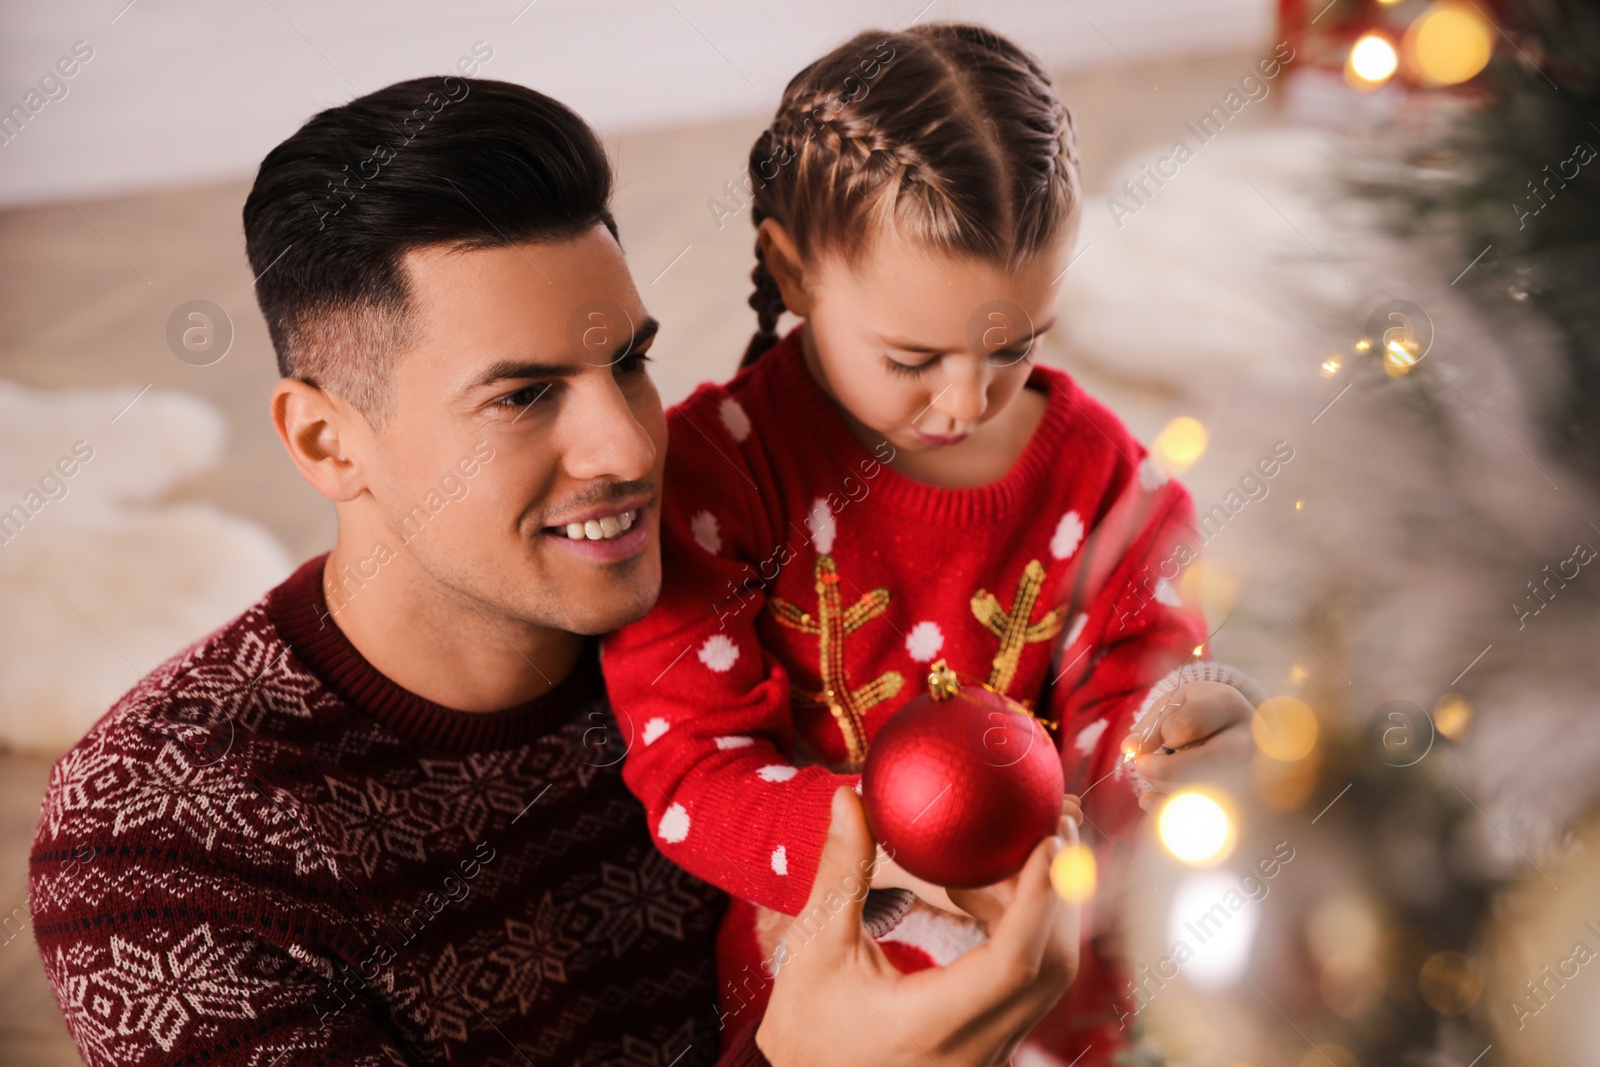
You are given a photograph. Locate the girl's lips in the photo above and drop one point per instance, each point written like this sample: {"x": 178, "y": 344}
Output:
{"x": 941, "y": 438}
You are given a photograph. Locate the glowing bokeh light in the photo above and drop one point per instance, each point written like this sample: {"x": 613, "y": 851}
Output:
{"x": 1180, "y": 444}
{"x": 1450, "y": 982}
{"x": 1196, "y": 828}
{"x": 1400, "y": 354}
{"x": 1214, "y": 587}
{"x": 1284, "y": 728}
{"x": 1452, "y": 715}
{"x": 1372, "y": 62}
{"x": 1219, "y": 938}
{"x": 1072, "y": 873}
{"x": 1447, "y": 44}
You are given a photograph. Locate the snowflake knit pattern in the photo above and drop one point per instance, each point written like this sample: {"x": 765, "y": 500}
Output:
{"x": 807, "y": 587}
{"x": 269, "y": 854}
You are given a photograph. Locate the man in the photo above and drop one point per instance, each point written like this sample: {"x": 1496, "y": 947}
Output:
{"x": 379, "y": 817}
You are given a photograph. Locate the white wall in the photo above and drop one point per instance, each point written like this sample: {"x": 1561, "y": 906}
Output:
{"x": 181, "y": 92}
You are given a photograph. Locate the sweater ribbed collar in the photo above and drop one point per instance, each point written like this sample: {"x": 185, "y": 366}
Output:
{"x": 298, "y": 609}
{"x": 1055, "y": 438}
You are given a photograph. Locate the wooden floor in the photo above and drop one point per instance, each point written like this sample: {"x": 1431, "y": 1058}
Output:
{"x": 89, "y": 288}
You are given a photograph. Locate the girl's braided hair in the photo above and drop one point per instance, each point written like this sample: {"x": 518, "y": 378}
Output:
{"x": 949, "y": 133}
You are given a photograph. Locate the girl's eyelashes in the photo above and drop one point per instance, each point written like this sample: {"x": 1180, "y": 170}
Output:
{"x": 1005, "y": 357}
{"x": 909, "y": 370}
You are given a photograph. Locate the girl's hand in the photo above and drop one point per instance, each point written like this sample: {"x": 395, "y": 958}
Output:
{"x": 1198, "y": 724}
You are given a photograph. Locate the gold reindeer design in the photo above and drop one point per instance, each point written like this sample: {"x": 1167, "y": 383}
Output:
{"x": 1012, "y": 626}
{"x": 831, "y": 624}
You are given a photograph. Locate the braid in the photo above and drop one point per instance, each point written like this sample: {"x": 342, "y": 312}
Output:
{"x": 767, "y": 300}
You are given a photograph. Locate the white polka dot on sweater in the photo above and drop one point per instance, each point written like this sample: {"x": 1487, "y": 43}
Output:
{"x": 703, "y": 525}
{"x": 674, "y": 826}
{"x": 1069, "y": 533}
{"x": 924, "y": 641}
{"x": 1151, "y": 476}
{"x": 1089, "y": 735}
{"x": 780, "y": 860}
{"x": 654, "y": 729}
{"x": 719, "y": 653}
{"x": 822, "y": 526}
{"x": 735, "y": 741}
{"x": 734, "y": 418}
{"x": 1168, "y": 595}
{"x": 777, "y": 772}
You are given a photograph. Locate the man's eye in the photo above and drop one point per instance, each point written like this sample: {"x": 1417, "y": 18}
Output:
{"x": 632, "y": 363}
{"x": 522, "y": 397}
{"x": 910, "y": 370}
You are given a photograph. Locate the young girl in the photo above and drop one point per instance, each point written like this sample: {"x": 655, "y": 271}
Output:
{"x": 894, "y": 482}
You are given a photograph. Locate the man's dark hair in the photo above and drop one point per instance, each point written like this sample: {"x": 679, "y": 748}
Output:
{"x": 467, "y": 163}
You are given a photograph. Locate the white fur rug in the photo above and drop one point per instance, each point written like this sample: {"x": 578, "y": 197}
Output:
{"x": 100, "y": 579}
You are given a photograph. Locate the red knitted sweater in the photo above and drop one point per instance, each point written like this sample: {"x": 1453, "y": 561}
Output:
{"x": 808, "y": 585}
{"x": 268, "y": 853}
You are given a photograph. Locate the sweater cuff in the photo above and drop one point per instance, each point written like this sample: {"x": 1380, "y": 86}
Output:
{"x": 1203, "y": 671}
{"x": 743, "y": 1052}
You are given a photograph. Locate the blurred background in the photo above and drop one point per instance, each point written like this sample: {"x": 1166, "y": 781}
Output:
{"x": 1355, "y": 237}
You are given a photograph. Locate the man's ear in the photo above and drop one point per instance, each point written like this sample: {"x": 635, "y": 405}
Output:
{"x": 318, "y": 430}
{"x": 783, "y": 260}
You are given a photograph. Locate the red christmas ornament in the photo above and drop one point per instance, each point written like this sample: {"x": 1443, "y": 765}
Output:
{"x": 961, "y": 783}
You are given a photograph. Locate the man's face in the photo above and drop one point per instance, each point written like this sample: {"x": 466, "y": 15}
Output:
{"x": 528, "y": 372}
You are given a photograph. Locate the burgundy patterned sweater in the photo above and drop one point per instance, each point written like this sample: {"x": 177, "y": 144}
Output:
{"x": 269, "y": 854}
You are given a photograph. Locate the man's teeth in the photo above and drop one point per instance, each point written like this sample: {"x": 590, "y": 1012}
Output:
{"x": 602, "y": 529}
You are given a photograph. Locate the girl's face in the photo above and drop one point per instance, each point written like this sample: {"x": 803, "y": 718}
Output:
{"x": 919, "y": 347}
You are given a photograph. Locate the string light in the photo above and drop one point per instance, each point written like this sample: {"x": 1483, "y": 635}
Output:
{"x": 1331, "y": 365}
{"x": 1399, "y": 357}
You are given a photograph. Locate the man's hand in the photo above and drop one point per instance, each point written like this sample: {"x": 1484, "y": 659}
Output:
{"x": 838, "y": 1000}
{"x": 1198, "y": 725}
{"x": 887, "y": 874}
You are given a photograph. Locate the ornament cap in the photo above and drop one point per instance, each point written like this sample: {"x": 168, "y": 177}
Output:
{"x": 942, "y": 683}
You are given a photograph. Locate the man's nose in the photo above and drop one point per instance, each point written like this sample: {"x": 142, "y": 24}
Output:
{"x": 603, "y": 437}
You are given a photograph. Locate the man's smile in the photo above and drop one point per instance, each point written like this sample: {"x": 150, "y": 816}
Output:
{"x": 604, "y": 534}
